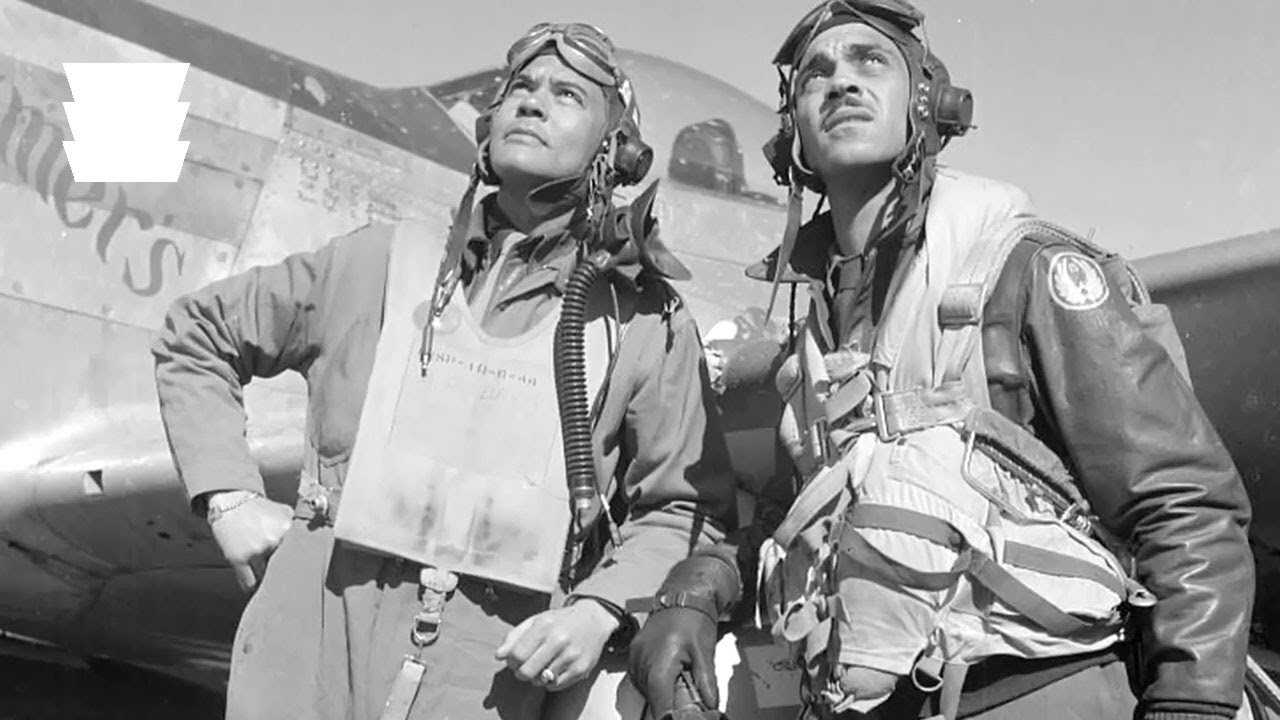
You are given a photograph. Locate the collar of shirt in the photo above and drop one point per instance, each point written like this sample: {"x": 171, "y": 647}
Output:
{"x": 551, "y": 248}
{"x": 548, "y": 250}
{"x": 813, "y": 262}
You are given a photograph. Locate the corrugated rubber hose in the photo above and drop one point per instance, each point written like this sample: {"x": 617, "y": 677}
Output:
{"x": 571, "y": 388}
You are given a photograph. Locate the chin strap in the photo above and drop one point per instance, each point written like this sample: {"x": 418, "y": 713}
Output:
{"x": 450, "y": 271}
{"x": 795, "y": 206}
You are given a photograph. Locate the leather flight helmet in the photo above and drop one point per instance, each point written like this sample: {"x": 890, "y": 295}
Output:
{"x": 938, "y": 110}
{"x": 591, "y": 53}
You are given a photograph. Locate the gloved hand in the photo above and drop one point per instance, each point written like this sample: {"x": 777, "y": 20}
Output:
{"x": 247, "y": 528}
{"x": 673, "y": 641}
{"x": 680, "y": 633}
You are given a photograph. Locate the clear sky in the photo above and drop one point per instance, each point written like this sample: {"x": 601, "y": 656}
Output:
{"x": 1150, "y": 121}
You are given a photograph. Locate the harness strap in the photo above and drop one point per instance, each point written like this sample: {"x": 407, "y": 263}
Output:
{"x": 404, "y": 689}
{"x": 1047, "y": 562}
{"x": 902, "y": 411}
{"x": 961, "y": 306}
{"x": 885, "y": 517}
{"x": 1023, "y": 599}
{"x": 848, "y": 398}
{"x": 980, "y": 568}
{"x": 798, "y": 621}
{"x": 952, "y": 688}
{"x": 817, "y": 641}
{"x": 814, "y": 500}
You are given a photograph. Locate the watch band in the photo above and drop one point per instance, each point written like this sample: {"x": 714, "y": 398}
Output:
{"x": 628, "y": 626}
{"x": 666, "y": 600}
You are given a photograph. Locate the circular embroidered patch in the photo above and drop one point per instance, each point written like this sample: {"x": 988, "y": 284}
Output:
{"x": 1076, "y": 282}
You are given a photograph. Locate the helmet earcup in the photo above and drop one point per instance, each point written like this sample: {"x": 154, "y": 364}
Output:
{"x": 632, "y": 157}
{"x": 954, "y": 112}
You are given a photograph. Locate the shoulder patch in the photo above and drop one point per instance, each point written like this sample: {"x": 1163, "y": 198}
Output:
{"x": 1076, "y": 282}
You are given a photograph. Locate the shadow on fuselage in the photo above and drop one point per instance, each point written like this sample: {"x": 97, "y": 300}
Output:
{"x": 40, "y": 690}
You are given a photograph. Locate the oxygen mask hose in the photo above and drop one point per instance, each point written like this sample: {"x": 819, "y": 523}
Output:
{"x": 571, "y": 389}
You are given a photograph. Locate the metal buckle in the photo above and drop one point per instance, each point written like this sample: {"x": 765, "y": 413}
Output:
{"x": 966, "y": 460}
{"x": 320, "y": 499}
{"x": 426, "y": 628}
{"x": 436, "y": 585}
{"x": 882, "y": 423}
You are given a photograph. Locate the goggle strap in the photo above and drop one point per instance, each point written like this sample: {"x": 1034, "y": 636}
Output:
{"x": 594, "y": 63}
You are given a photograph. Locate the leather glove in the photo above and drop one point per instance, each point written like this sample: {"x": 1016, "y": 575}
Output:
{"x": 674, "y": 641}
{"x": 679, "y": 637}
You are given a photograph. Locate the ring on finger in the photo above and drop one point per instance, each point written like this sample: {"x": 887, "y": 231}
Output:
{"x": 547, "y": 677}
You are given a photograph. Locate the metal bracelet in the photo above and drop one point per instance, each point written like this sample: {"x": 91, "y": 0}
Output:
{"x": 215, "y": 512}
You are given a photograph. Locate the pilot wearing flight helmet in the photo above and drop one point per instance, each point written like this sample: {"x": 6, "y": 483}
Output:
{"x": 1010, "y": 503}
{"x": 434, "y": 565}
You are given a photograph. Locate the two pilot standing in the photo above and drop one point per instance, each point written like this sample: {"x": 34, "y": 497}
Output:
{"x": 1061, "y": 352}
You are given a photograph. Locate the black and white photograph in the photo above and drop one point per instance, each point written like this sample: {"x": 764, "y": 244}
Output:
{"x": 682, "y": 360}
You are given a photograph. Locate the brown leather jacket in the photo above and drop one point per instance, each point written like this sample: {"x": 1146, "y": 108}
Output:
{"x": 1092, "y": 385}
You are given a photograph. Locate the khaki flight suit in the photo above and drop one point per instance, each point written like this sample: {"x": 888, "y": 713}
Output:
{"x": 327, "y": 629}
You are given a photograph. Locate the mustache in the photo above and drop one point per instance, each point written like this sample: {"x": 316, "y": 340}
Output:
{"x": 845, "y": 108}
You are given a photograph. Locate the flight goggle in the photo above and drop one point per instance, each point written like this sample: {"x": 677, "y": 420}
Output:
{"x": 902, "y": 15}
{"x": 582, "y": 47}
{"x": 947, "y": 108}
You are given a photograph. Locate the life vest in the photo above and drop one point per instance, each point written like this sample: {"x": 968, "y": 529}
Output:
{"x": 917, "y": 486}
{"x": 458, "y": 462}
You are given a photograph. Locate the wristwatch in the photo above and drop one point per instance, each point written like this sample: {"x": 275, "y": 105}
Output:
{"x": 628, "y": 626}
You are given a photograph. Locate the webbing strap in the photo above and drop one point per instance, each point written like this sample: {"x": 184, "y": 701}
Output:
{"x": 861, "y": 552}
{"x": 960, "y": 309}
{"x": 818, "y": 640}
{"x": 1048, "y": 562}
{"x": 848, "y": 398}
{"x": 903, "y": 411}
{"x": 952, "y": 688}
{"x": 404, "y": 689}
{"x": 908, "y": 521}
{"x": 977, "y": 565}
{"x": 961, "y": 305}
{"x": 1023, "y": 599}
{"x": 888, "y": 517}
{"x": 798, "y": 621}
{"x": 814, "y": 500}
